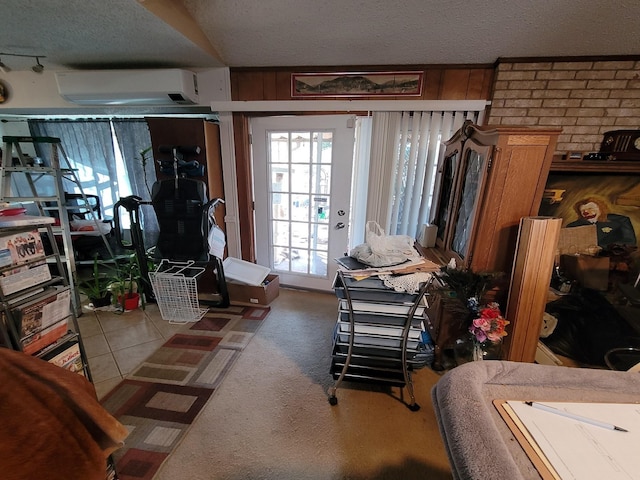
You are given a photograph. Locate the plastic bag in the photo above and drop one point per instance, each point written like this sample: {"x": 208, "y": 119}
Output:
{"x": 381, "y": 250}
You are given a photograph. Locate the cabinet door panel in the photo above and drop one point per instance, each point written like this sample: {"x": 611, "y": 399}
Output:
{"x": 473, "y": 169}
{"x": 445, "y": 198}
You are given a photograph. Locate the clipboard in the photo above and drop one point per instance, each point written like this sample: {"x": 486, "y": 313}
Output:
{"x": 577, "y": 449}
{"x": 526, "y": 441}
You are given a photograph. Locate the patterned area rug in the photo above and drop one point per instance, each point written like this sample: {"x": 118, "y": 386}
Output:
{"x": 161, "y": 398}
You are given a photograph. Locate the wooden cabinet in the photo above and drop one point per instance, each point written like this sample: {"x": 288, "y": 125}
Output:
{"x": 488, "y": 180}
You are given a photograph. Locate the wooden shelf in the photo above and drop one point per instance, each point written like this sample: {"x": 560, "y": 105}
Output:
{"x": 592, "y": 166}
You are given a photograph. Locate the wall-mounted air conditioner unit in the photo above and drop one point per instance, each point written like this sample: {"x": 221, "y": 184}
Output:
{"x": 129, "y": 87}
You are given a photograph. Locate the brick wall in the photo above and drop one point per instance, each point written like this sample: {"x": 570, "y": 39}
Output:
{"x": 585, "y": 98}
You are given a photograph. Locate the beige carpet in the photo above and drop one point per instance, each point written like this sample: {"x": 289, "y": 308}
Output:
{"x": 270, "y": 418}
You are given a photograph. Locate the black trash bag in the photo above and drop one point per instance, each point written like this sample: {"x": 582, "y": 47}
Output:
{"x": 588, "y": 327}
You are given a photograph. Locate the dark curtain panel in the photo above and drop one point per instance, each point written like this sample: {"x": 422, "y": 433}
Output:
{"x": 134, "y": 138}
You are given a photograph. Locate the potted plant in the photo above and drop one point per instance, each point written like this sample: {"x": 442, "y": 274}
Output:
{"x": 125, "y": 287}
{"x": 97, "y": 287}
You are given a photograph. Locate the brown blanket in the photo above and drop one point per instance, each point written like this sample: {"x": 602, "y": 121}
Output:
{"x": 51, "y": 424}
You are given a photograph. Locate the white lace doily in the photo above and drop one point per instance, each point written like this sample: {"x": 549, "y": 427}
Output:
{"x": 409, "y": 283}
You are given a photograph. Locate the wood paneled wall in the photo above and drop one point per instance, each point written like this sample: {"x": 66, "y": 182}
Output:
{"x": 440, "y": 83}
{"x": 192, "y": 132}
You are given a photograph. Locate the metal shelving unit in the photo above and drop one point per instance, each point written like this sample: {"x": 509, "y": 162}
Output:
{"x": 38, "y": 292}
{"x": 377, "y": 336}
{"x": 25, "y": 181}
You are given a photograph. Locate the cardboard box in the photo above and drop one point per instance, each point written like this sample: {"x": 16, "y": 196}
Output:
{"x": 257, "y": 295}
{"x": 590, "y": 272}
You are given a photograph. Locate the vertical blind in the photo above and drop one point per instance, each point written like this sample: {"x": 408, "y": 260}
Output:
{"x": 405, "y": 151}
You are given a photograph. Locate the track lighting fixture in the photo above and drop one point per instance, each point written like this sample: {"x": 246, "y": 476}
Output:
{"x": 3, "y": 67}
{"x": 38, "y": 67}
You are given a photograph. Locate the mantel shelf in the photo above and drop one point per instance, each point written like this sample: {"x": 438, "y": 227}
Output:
{"x": 587, "y": 166}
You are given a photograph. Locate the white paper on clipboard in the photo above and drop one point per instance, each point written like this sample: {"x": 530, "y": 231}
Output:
{"x": 578, "y": 450}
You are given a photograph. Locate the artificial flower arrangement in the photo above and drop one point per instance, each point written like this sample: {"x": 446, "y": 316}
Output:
{"x": 488, "y": 324}
{"x": 485, "y": 322}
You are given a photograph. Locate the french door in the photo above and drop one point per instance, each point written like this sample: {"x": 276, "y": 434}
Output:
{"x": 302, "y": 183}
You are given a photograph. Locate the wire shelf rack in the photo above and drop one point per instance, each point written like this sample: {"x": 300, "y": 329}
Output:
{"x": 176, "y": 290}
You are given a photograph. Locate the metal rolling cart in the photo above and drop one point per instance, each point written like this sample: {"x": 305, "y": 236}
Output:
{"x": 378, "y": 336}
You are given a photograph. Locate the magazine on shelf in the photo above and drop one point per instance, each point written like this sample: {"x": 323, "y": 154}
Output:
{"x": 22, "y": 259}
{"x": 66, "y": 355}
{"x": 19, "y": 248}
{"x": 44, "y": 320}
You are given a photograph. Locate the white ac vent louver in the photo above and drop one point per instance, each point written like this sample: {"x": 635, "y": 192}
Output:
{"x": 129, "y": 87}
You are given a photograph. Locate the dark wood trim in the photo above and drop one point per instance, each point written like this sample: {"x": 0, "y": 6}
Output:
{"x": 244, "y": 185}
{"x": 361, "y": 68}
{"x": 595, "y": 167}
{"x": 587, "y": 58}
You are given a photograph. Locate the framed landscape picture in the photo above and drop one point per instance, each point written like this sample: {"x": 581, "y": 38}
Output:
{"x": 356, "y": 84}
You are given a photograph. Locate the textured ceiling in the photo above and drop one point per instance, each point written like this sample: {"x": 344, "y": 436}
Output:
{"x": 246, "y": 33}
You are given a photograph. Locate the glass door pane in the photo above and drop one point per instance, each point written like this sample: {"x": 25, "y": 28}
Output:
{"x": 302, "y": 171}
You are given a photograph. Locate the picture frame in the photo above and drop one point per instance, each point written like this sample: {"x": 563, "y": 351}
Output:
{"x": 357, "y": 84}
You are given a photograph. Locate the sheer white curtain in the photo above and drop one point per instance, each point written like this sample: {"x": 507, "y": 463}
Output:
{"x": 405, "y": 149}
{"x": 89, "y": 147}
{"x": 106, "y": 156}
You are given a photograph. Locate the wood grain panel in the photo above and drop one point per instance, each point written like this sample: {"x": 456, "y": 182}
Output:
{"x": 215, "y": 183}
{"x": 535, "y": 252}
{"x": 283, "y": 81}
{"x": 244, "y": 177}
{"x": 250, "y": 86}
{"x": 270, "y": 86}
{"x": 440, "y": 83}
{"x": 172, "y": 132}
{"x": 433, "y": 81}
{"x": 455, "y": 84}
{"x": 476, "y": 88}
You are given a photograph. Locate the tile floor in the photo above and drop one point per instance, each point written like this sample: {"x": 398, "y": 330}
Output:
{"x": 116, "y": 342}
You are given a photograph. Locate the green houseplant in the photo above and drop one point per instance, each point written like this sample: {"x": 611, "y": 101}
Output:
{"x": 97, "y": 287}
{"x": 125, "y": 285}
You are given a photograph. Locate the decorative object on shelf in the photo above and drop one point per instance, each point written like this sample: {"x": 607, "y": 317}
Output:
{"x": 485, "y": 323}
{"x": 484, "y": 341}
{"x": 467, "y": 349}
{"x": 466, "y": 283}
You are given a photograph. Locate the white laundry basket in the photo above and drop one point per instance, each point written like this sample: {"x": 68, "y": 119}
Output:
{"x": 176, "y": 290}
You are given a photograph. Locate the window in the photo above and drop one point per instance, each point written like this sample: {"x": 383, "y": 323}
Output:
{"x": 403, "y": 166}
{"x": 106, "y": 157}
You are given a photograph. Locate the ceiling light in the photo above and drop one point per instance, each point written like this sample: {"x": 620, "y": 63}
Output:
{"x": 38, "y": 67}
